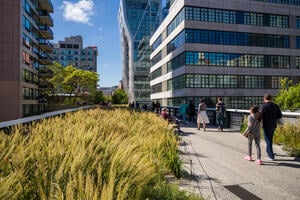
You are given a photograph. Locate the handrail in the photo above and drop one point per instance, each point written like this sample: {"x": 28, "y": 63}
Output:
{"x": 25, "y": 120}
{"x": 172, "y": 110}
{"x": 286, "y": 114}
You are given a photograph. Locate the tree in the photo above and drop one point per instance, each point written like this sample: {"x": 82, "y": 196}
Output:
{"x": 58, "y": 77}
{"x": 98, "y": 97}
{"x": 73, "y": 81}
{"x": 119, "y": 97}
{"x": 77, "y": 81}
{"x": 288, "y": 97}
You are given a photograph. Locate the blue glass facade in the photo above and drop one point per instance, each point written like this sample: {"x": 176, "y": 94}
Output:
{"x": 286, "y": 2}
{"x": 229, "y": 16}
{"x": 238, "y": 53}
{"x": 138, "y": 20}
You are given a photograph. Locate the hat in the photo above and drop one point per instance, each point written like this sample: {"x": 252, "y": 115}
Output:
{"x": 164, "y": 108}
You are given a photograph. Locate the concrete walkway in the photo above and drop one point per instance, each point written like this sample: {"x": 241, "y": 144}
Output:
{"x": 215, "y": 168}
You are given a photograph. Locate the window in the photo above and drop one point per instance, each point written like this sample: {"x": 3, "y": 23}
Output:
{"x": 298, "y": 22}
{"x": 298, "y": 42}
{"x": 26, "y": 59}
{"x": 298, "y": 62}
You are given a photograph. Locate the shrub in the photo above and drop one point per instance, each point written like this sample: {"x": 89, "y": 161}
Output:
{"x": 289, "y": 136}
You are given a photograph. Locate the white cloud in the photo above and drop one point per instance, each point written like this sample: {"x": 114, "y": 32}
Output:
{"x": 79, "y": 12}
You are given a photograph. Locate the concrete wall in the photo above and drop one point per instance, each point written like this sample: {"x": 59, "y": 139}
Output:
{"x": 10, "y": 68}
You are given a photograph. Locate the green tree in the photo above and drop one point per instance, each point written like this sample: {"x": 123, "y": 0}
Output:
{"x": 57, "y": 78}
{"x": 98, "y": 97}
{"x": 73, "y": 81}
{"x": 288, "y": 97}
{"x": 119, "y": 97}
{"x": 77, "y": 81}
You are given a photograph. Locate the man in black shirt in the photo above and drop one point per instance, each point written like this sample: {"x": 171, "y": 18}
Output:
{"x": 270, "y": 115}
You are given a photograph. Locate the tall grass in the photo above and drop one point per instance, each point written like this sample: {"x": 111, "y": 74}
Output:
{"x": 88, "y": 155}
{"x": 289, "y": 136}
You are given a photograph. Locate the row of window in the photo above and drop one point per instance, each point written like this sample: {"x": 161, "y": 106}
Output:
{"x": 228, "y": 16}
{"x": 229, "y": 60}
{"x": 233, "y": 102}
{"x": 156, "y": 43}
{"x": 224, "y": 81}
{"x": 156, "y": 58}
{"x": 30, "y": 28}
{"x": 287, "y": 2}
{"x": 86, "y": 65}
{"x": 69, "y": 46}
{"x": 156, "y": 88}
{"x": 157, "y": 73}
{"x": 29, "y": 77}
{"x": 228, "y": 38}
{"x": 32, "y": 109}
{"x": 30, "y": 93}
{"x": 83, "y": 58}
{"x": 89, "y": 53}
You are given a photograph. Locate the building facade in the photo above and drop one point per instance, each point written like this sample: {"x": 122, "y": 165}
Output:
{"x": 24, "y": 52}
{"x": 235, "y": 49}
{"x": 71, "y": 52}
{"x": 138, "y": 19}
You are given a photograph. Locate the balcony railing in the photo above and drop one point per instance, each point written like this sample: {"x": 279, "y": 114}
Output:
{"x": 46, "y": 32}
{"x": 46, "y": 45}
{"x": 46, "y": 5}
{"x": 45, "y": 59}
{"x": 46, "y": 18}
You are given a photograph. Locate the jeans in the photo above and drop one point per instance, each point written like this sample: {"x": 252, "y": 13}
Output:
{"x": 184, "y": 118}
{"x": 220, "y": 121}
{"x": 269, "y": 133}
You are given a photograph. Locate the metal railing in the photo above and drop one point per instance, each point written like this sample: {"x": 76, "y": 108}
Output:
{"x": 28, "y": 120}
{"x": 234, "y": 117}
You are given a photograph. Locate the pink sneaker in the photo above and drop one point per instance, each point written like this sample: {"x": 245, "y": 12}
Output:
{"x": 248, "y": 158}
{"x": 258, "y": 161}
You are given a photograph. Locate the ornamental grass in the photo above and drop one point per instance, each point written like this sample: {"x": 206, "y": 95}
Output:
{"x": 94, "y": 154}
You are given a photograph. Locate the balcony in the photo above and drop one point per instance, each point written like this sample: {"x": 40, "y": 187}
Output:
{"x": 44, "y": 72}
{"x": 45, "y": 18}
{"x": 46, "y": 5}
{"x": 45, "y": 59}
{"x": 46, "y": 32}
{"x": 46, "y": 45}
{"x": 45, "y": 85}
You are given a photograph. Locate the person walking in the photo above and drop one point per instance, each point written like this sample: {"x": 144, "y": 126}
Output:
{"x": 271, "y": 113}
{"x": 220, "y": 112}
{"x": 191, "y": 111}
{"x": 202, "y": 116}
{"x": 157, "y": 107}
{"x": 183, "y": 110}
{"x": 253, "y": 133}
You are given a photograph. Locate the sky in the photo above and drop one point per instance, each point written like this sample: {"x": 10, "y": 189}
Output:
{"x": 97, "y": 22}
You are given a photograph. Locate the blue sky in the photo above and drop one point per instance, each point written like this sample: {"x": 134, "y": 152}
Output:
{"x": 97, "y": 22}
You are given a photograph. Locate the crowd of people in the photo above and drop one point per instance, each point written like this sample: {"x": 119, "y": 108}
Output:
{"x": 264, "y": 116}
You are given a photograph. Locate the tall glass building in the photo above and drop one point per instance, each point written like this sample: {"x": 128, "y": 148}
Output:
{"x": 235, "y": 49}
{"x": 138, "y": 19}
{"x": 24, "y": 52}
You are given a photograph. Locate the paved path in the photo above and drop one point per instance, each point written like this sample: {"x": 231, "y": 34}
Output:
{"x": 215, "y": 168}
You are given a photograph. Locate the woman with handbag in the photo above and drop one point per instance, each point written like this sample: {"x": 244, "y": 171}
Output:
{"x": 253, "y": 133}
